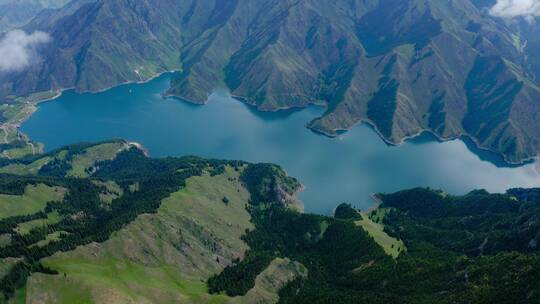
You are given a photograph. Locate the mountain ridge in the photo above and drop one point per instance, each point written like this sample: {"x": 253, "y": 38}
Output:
{"x": 404, "y": 69}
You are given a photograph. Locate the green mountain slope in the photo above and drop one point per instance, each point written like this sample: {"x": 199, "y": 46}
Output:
{"x": 125, "y": 220}
{"x": 403, "y": 68}
{"x": 141, "y": 230}
{"x": 475, "y": 248}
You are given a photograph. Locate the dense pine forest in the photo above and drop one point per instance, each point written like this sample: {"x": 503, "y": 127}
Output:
{"x": 477, "y": 248}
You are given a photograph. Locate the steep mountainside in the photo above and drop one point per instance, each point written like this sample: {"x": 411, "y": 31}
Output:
{"x": 15, "y": 13}
{"x": 405, "y": 67}
{"x": 131, "y": 229}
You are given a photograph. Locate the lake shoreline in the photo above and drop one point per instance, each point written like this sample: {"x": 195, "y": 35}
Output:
{"x": 347, "y": 169}
{"x": 373, "y": 126}
{"x": 436, "y": 136}
{"x": 33, "y": 107}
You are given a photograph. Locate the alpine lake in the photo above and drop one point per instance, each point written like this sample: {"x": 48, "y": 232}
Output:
{"x": 348, "y": 168}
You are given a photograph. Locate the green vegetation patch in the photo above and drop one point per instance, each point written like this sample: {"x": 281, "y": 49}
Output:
{"x": 24, "y": 228}
{"x": 115, "y": 280}
{"x": 5, "y": 239}
{"x": 82, "y": 163}
{"x": 162, "y": 258}
{"x": 51, "y": 237}
{"x": 15, "y": 112}
{"x": 34, "y": 199}
{"x": 391, "y": 245}
{"x": 6, "y": 264}
{"x": 20, "y": 152}
{"x": 372, "y": 223}
{"x": 268, "y": 183}
{"x": 202, "y": 199}
{"x": 280, "y": 272}
{"x": 111, "y": 190}
{"x": 26, "y": 169}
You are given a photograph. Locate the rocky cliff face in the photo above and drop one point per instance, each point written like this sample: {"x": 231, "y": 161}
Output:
{"x": 443, "y": 66}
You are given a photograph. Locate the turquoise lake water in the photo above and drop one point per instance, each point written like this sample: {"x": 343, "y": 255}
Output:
{"x": 334, "y": 170}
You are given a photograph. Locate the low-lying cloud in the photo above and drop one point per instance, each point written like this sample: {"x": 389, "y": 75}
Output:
{"x": 528, "y": 9}
{"x": 18, "y": 49}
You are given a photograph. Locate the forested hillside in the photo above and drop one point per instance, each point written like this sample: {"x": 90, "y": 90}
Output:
{"x": 104, "y": 223}
{"x": 477, "y": 248}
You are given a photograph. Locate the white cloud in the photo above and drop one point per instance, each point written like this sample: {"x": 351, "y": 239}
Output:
{"x": 529, "y": 9}
{"x": 18, "y": 49}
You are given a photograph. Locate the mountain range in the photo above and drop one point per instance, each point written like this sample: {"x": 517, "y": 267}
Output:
{"x": 405, "y": 67}
{"x": 106, "y": 223}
